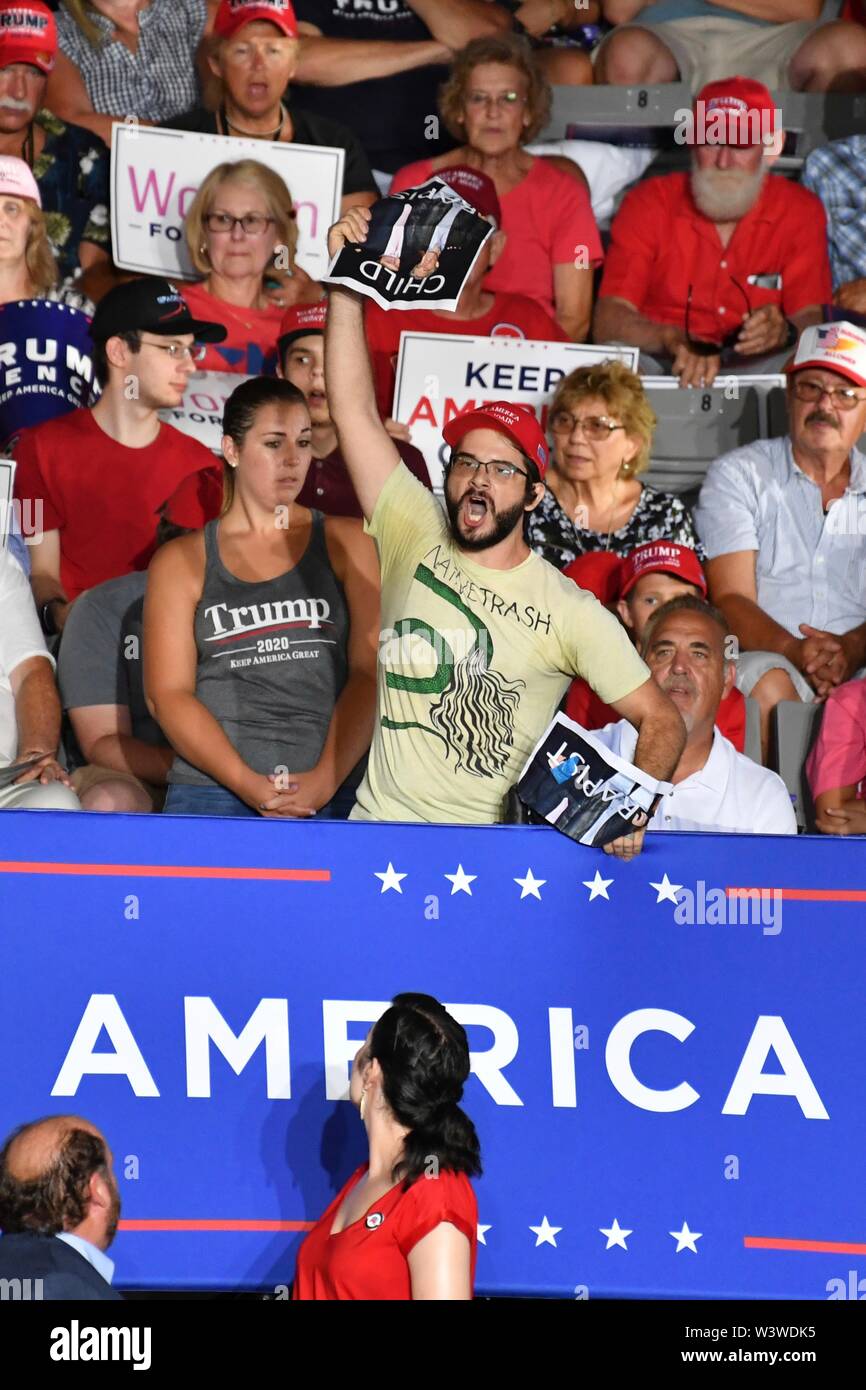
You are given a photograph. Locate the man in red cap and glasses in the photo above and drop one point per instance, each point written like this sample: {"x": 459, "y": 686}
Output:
{"x": 480, "y": 636}
{"x": 722, "y": 266}
{"x": 783, "y": 42}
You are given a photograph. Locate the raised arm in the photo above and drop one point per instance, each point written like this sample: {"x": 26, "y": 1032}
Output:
{"x": 365, "y": 444}
{"x": 458, "y": 22}
{"x": 325, "y": 62}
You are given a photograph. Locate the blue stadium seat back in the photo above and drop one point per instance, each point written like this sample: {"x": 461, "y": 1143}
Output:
{"x": 794, "y": 729}
{"x": 695, "y": 427}
{"x": 777, "y": 416}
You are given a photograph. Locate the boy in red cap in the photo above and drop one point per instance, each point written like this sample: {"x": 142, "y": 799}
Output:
{"x": 722, "y": 266}
{"x": 652, "y": 575}
{"x": 480, "y": 313}
{"x": 480, "y": 636}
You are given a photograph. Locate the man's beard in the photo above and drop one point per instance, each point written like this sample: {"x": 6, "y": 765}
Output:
{"x": 504, "y": 522}
{"x": 726, "y": 195}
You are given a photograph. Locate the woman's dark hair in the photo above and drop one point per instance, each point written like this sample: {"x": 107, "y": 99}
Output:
{"x": 424, "y": 1056}
{"x": 58, "y": 1198}
{"x": 241, "y": 409}
{"x": 132, "y": 338}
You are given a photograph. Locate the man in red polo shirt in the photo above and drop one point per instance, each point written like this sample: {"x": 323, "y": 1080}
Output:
{"x": 652, "y": 575}
{"x": 724, "y": 265}
{"x": 480, "y": 312}
{"x": 96, "y": 476}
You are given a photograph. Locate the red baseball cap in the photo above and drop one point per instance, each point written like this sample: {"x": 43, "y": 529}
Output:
{"x": 520, "y": 426}
{"x": 301, "y": 319}
{"x": 196, "y": 500}
{"x": 28, "y": 34}
{"x": 662, "y": 557}
{"x": 599, "y": 572}
{"x": 234, "y": 14}
{"x": 735, "y": 111}
{"x": 476, "y": 188}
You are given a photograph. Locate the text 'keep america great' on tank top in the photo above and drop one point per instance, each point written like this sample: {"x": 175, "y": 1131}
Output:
{"x": 272, "y": 658}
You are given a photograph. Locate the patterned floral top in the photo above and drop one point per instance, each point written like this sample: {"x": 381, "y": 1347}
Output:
{"x": 72, "y": 174}
{"x": 658, "y": 516}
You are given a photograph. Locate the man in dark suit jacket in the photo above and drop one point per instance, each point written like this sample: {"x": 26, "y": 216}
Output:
{"x": 59, "y": 1208}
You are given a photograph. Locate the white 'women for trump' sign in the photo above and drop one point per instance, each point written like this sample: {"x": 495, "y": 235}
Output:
{"x": 155, "y": 175}
{"x": 440, "y": 375}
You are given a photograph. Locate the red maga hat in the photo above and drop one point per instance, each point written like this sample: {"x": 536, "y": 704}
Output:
{"x": 28, "y": 34}
{"x": 520, "y": 426}
{"x": 301, "y": 319}
{"x": 476, "y": 188}
{"x": 735, "y": 111}
{"x": 662, "y": 557}
{"x": 234, "y": 14}
{"x": 599, "y": 571}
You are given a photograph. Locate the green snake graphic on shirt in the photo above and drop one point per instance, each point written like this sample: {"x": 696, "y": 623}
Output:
{"x": 475, "y": 709}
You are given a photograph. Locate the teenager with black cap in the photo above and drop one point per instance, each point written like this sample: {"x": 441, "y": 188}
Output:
{"x": 99, "y": 474}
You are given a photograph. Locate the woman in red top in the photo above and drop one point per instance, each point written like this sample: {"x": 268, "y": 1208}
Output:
{"x": 405, "y": 1224}
{"x": 496, "y": 101}
{"x": 239, "y": 225}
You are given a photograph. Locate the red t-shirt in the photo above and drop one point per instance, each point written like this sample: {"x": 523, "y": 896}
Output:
{"x": 100, "y": 495}
{"x": 327, "y": 487}
{"x": 370, "y": 1259}
{"x": 548, "y": 221}
{"x": 661, "y": 244}
{"x": 251, "y": 345}
{"x": 585, "y": 708}
{"x": 511, "y": 316}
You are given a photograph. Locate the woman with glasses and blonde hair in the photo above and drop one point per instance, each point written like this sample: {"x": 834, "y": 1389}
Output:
{"x": 241, "y": 233}
{"x": 602, "y": 426}
{"x": 495, "y": 102}
{"x": 28, "y": 269}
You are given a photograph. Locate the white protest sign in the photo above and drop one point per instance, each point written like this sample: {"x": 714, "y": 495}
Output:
{"x": 440, "y": 375}
{"x": 200, "y": 413}
{"x": 155, "y": 175}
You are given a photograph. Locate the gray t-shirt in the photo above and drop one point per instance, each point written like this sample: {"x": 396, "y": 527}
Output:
{"x": 99, "y": 662}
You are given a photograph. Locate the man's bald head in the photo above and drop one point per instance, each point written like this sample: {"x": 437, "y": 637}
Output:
{"x": 55, "y": 1175}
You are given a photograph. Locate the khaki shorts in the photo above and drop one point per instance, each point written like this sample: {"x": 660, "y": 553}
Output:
{"x": 84, "y": 779}
{"x": 706, "y": 50}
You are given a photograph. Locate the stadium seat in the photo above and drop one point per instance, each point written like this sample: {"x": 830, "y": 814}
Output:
{"x": 794, "y": 730}
{"x": 695, "y": 427}
{"x": 752, "y": 741}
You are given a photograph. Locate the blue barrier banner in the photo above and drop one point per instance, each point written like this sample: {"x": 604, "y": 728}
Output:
{"x": 668, "y": 1076}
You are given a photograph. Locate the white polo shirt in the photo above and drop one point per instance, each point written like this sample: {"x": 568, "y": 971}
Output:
{"x": 729, "y": 795}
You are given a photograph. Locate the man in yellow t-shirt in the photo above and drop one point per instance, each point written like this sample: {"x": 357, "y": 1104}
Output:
{"x": 480, "y": 636}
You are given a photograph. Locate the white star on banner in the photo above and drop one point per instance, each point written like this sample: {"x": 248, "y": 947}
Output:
{"x": 530, "y": 885}
{"x": 685, "y": 1238}
{"x": 460, "y": 881}
{"x": 666, "y": 891}
{"x": 482, "y": 1230}
{"x": 390, "y": 878}
{"x": 598, "y": 886}
{"x": 545, "y": 1233}
{"x": 615, "y": 1235}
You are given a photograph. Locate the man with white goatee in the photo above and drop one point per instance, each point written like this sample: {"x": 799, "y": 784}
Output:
{"x": 722, "y": 266}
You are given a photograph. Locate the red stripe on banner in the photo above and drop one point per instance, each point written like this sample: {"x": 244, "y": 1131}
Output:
{"x": 216, "y": 1225}
{"x": 820, "y": 1247}
{"x": 804, "y": 895}
{"x": 21, "y": 866}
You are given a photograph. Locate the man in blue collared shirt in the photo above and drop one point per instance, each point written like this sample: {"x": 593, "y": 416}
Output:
{"x": 59, "y": 1208}
{"x": 783, "y": 522}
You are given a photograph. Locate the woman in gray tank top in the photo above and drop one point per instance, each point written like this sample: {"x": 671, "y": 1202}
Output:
{"x": 260, "y": 632}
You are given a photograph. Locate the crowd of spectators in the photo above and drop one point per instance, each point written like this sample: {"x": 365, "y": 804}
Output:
{"x": 202, "y": 637}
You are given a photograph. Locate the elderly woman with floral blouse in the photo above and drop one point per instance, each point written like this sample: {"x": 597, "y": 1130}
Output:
{"x": 602, "y": 425}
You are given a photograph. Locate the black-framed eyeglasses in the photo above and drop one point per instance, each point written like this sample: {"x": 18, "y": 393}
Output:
{"x": 469, "y": 466}
{"x": 703, "y": 347}
{"x": 253, "y": 223}
{"x": 179, "y": 351}
{"x": 845, "y": 397}
{"x": 595, "y": 427}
